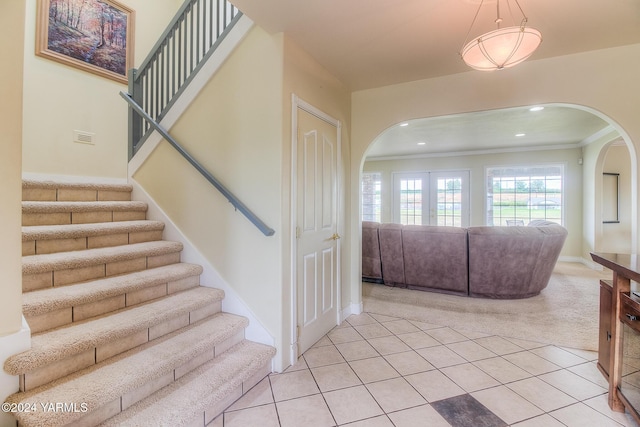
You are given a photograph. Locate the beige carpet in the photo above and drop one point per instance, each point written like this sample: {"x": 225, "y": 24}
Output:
{"x": 565, "y": 313}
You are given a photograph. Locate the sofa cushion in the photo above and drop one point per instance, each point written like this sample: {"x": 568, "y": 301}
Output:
{"x": 435, "y": 258}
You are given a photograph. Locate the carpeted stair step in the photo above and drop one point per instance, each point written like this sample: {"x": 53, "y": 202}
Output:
{"x": 40, "y": 190}
{"x": 204, "y": 393}
{"x": 54, "y": 307}
{"x": 44, "y": 239}
{"x": 59, "y": 352}
{"x": 52, "y": 213}
{"x": 64, "y": 268}
{"x": 104, "y": 390}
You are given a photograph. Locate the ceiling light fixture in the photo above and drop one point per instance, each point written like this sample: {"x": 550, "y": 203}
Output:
{"x": 501, "y": 48}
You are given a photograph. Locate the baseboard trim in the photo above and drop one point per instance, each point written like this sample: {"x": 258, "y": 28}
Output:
{"x": 353, "y": 309}
{"x": 586, "y": 262}
{"x": 9, "y": 345}
{"x": 73, "y": 179}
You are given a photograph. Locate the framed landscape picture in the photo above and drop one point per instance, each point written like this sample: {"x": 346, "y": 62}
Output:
{"x": 93, "y": 35}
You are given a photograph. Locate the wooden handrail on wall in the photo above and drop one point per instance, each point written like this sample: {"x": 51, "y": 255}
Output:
{"x": 237, "y": 204}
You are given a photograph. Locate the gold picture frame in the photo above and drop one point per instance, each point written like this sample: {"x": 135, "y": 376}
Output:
{"x": 92, "y": 35}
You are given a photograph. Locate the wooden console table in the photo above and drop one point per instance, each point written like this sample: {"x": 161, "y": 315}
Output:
{"x": 618, "y": 307}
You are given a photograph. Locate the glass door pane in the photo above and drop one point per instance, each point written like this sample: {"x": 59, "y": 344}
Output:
{"x": 431, "y": 198}
{"x": 409, "y": 198}
{"x": 449, "y": 204}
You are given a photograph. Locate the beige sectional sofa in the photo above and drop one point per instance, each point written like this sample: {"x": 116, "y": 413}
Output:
{"x": 490, "y": 262}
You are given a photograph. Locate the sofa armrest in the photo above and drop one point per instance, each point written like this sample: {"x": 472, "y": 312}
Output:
{"x": 391, "y": 254}
{"x": 513, "y": 262}
{"x": 371, "y": 262}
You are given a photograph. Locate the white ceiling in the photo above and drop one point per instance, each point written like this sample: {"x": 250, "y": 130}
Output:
{"x": 489, "y": 131}
{"x": 373, "y": 43}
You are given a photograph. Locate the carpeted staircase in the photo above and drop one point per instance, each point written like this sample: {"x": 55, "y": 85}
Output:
{"x": 122, "y": 331}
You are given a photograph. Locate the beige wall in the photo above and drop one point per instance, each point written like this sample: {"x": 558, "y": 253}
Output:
{"x": 59, "y": 99}
{"x": 477, "y": 164}
{"x": 587, "y": 79}
{"x": 12, "y": 23}
{"x": 14, "y": 337}
{"x": 617, "y": 236}
{"x": 239, "y": 128}
{"x": 594, "y": 156}
{"x": 234, "y": 128}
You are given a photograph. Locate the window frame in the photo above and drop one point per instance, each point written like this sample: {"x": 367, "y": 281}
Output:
{"x": 541, "y": 165}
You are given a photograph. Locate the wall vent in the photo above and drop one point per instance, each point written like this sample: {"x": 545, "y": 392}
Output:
{"x": 83, "y": 137}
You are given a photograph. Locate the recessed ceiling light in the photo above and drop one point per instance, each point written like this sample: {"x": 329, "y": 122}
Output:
{"x": 520, "y": 134}
{"x": 404, "y": 124}
{"x": 421, "y": 143}
{"x": 539, "y": 108}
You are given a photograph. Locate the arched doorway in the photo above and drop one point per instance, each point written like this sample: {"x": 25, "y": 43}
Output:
{"x": 614, "y": 201}
{"x": 582, "y": 154}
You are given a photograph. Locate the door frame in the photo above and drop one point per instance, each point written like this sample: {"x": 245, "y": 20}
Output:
{"x": 296, "y": 103}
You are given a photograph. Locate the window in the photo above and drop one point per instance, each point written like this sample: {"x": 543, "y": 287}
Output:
{"x": 371, "y": 198}
{"x": 518, "y": 195}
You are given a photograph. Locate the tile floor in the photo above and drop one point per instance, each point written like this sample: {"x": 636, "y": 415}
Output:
{"x": 377, "y": 371}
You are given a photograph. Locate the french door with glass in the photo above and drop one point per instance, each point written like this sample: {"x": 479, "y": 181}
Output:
{"x": 431, "y": 198}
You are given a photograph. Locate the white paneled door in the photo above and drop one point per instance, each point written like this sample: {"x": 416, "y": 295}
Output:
{"x": 317, "y": 242}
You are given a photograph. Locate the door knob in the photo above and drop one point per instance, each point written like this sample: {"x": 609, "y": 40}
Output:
{"x": 335, "y": 236}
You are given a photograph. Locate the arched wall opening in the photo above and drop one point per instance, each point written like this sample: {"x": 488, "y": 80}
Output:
{"x": 614, "y": 199}
{"x": 581, "y": 80}
{"x": 609, "y": 149}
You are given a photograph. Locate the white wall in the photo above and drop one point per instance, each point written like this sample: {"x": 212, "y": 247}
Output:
{"x": 604, "y": 82}
{"x": 59, "y": 99}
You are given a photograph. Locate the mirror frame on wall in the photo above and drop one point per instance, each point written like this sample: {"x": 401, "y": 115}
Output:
{"x": 610, "y": 198}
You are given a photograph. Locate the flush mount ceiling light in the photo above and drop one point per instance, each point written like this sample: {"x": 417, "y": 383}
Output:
{"x": 501, "y": 48}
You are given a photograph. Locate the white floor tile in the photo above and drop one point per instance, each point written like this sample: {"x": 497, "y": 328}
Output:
{"x": 507, "y": 405}
{"x": 420, "y": 416}
{"x": 382, "y": 371}
{"x": 395, "y": 394}
{"x": 580, "y": 415}
{"x": 352, "y": 404}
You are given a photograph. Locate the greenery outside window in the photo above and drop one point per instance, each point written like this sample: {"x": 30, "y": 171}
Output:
{"x": 518, "y": 195}
{"x": 371, "y": 196}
